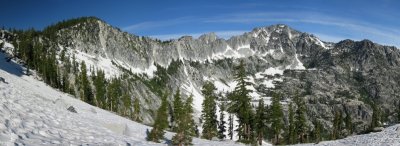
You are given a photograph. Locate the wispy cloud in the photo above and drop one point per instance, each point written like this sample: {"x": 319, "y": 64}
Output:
{"x": 221, "y": 34}
{"x": 357, "y": 28}
{"x": 157, "y": 24}
{"x": 333, "y": 38}
{"x": 382, "y": 33}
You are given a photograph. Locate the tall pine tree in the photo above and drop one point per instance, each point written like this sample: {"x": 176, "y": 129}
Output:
{"x": 127, "y": 102}
{"x": 276, "y": 118}
{"x": 375, "y": 116}
{"x": 209, "y": 115}
{"x": 230, "y": 127}
{"x": 100, "y": 86}
{"x": 185, "y": 124}
{"x": 337, "y": 125}
{"x": 261, "y": 121}
{"x": 300, "y": 119}
{"x": 161, "y": 122}
{"x": 136, "y": 108}
{"x": 348, "y": 122}
{"x": 317, "y": 131}
{"x": 240, "y": 104}
{"x": 222, "y": 122}
{"x": 177, "y": 110}
{"x": 291, "y": 130}
{"x": 86, "y": 90}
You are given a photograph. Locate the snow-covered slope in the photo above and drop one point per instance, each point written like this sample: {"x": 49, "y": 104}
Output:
{"x": 33, "y": 113}
{"x": 388, "y": 137}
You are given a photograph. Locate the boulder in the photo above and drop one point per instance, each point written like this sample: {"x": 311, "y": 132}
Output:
{"x": 71, "y": 109}
{"x": 377, "y": 129}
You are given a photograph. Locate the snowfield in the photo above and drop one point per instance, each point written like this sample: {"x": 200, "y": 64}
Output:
{"x": 33, "y": 113}
{"x": 388, "y": 137}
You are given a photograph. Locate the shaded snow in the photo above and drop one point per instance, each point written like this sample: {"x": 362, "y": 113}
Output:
{"x": 299, "y": 65}
{"x": 7, "y": 47}
{"x": 269, "y": 71}
{"x": 390, "y": 136}
{"x": 319, "y": 42}
{"x": 106, "y": 64}
{"x": 97, "y": 62}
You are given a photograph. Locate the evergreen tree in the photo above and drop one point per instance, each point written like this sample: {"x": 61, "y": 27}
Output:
{"x": 398, "y": 111}
{"x": 348, "y": 122}
{"x": 291, "y": 132}
{"x": 240, "y": 104}
{"x": 276, "y": 118}
{"x": 230, "y": 128}
{"x": 188, "y": 112}
{"x": 375, "y": 117}
{"x": 209, "y": 116}
{"x": 161, "y": 122}
{"x": 136, "y": 107}
{"x": 113, "y": 94}
{"x": 185, "y": 125}
{"x": 337, "y": 125}
{"x": 178, "y": 110}
{"x": 300, "y": 119}
{"x": 317, "y": 131}
{"x": 221, "y": 125}
{"x": 86, "y": 90}
{"x": 74, "y": 64}
{"x": 261, "y": 121}
{"x": 127, "y": 102}
{"x": 99, "y": 83}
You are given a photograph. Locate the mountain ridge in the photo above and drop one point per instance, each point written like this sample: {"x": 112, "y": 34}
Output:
{"x": 345, "y": 76}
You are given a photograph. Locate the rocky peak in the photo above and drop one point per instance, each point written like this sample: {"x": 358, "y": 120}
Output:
{"x": 208, "y": 37}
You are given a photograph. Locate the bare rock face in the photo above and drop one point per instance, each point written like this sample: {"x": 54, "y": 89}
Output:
{"x": 347, "y": 76}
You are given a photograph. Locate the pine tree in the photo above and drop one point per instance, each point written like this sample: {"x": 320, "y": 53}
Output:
{"x": 375, "y": 117}
{"x": 86, "y": 90}
{"x": 136, "y": 107}
{"x": 276, "y": 117}
{"x": 208, "y": 115}
{"x": 230, "y": 128}
{"x": 161, "y": 122}
{"x": 113, "y": 94}
{"x": 240, "y": 104}
{"x": 188, "y": 112}
{"x": 185, "y": 125}
{"x": 260, "y": 121}
{"x": 99, "y": 83}
{"x": 317, "y": 131}
{"x": 291, "y": 132}
{"x": 178, "y": 110}
{"x": 300, "y": 119}
{"x": 127, "y": 102}
{"x": 221, "y": 125}
{"x": 398, "y": 111}
{"x": 348, "y": 122}
{"x": 337, "y": 125}
{"x": 65, "y": 82}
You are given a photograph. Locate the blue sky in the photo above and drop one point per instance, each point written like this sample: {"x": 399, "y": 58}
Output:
{"x": 330, "y": 20}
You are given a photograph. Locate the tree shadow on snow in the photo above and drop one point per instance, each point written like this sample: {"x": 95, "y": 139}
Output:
{"x": 167, "y": 141}
{"x": 9, "y": 66}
